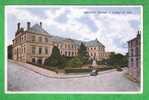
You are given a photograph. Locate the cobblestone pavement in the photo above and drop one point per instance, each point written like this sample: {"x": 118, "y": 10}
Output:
{"x": 24, "y": 79}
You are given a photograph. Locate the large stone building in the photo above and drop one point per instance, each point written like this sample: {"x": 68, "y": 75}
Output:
{"x": 35, "y": 45}
{"x": 134, "y": 47}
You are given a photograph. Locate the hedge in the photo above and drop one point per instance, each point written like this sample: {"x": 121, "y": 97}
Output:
{"x": 77, "y": 70}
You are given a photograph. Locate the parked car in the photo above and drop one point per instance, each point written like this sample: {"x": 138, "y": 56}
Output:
{"x": 93, "y": 73}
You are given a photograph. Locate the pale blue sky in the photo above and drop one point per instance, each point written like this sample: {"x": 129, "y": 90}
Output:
{"x": 113, "y": 28}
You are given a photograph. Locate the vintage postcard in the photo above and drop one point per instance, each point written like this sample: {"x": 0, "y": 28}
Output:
{"x": 74, "y": 49}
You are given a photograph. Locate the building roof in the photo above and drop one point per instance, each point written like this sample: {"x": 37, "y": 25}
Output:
{"x": 56, "y": 39}
{"x": 136, "y": 38}
{"x": 37, "y": 29}
{"x": 61, "y": 40}
{"x": 94, "y": 43}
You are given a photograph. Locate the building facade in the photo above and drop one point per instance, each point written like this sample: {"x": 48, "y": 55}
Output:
{"x": 35, "y": 45}
{"x": 134, "y": 51}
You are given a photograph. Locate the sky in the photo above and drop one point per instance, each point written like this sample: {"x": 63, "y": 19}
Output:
{"x": 113, "y": 26}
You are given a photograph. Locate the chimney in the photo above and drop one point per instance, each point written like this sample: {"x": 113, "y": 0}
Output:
{"x": 139, "y": 32}
{"x": 41, "y": 24}
{"x": 28, "y": 25}
{"x": 19, "y": 26}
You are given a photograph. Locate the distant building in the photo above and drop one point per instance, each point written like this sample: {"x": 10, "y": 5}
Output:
{"x": 134, "y": 51}
{"x": 35, "y": 45}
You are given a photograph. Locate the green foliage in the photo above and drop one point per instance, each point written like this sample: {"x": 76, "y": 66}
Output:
{"x": 55, "y": 59}
{"x": 60, "y": 61}
{"x": 116, "y": 60}
{"x": 83, "y": 54}
{"x": 102, "y": 62}
{"x": 74, "y": 62}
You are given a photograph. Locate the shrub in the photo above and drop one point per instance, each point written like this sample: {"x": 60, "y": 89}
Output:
{"x": 74, "y": 62}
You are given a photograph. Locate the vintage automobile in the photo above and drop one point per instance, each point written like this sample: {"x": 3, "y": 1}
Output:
{"x": 93, "y": 73}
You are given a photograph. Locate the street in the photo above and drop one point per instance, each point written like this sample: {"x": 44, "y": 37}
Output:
{"x": 23, "y": 79}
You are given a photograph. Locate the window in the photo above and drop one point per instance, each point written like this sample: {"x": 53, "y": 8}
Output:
{"x": 65, "y": 53}
{"x": 46, "y": 50}
{"x": 33, "y": 50}
{"x": 46, "y": 39}
{"x": 33, "y": 60}
{"x": 40, "y": 50}
{"x": 69, "y": 53}
{"x": 39, "y": 61}
{"x": 132, "y": 60}
{"x": 137, "y": 61}
{"x": 137, "y": 51}
{"x": 33, "y": 38}
{"x": 40, "y": 39}
{"x": 73, "y": 54}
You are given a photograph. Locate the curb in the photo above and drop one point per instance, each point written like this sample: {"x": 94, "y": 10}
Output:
{"x": 46, "y": 75}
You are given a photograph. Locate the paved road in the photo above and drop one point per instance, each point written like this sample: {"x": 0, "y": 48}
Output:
{"x": 23, "y": 79}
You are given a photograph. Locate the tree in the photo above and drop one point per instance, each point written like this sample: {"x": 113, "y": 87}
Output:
{"x": 83, "y": 54}
{"x": 55, "y": 59}
{"x": 117, "y": 60}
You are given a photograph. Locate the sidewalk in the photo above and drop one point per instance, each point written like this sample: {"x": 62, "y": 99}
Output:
{"x": 45, "y": 72}
{"x": 51, "y": 74}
